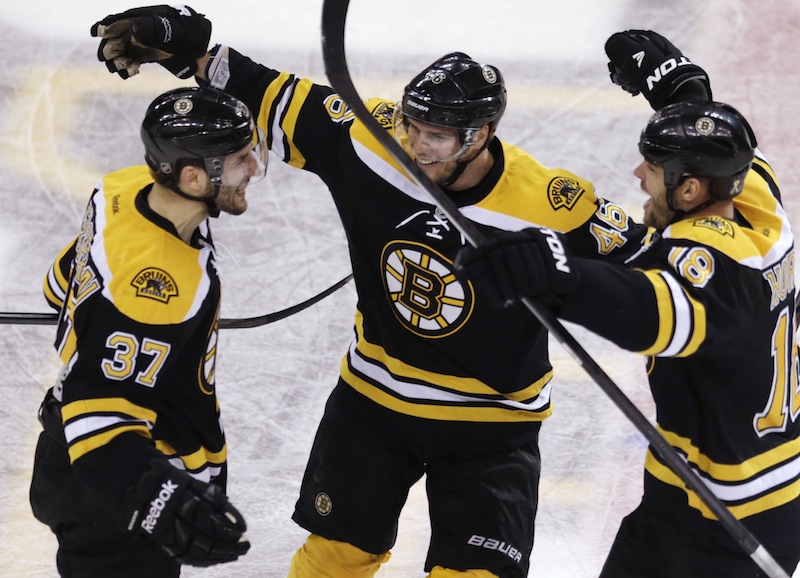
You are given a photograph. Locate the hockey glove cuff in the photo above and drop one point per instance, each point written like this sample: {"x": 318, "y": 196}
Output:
{"x": 192, "y": 520}
{"x": 174, "y": 37}
{"x": 644, "y": 61}
{"x": 509, "y": 266}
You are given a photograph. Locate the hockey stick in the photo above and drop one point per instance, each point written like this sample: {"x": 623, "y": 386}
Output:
{"x": 243, "y": 323}
{"x": 334, "y": 17}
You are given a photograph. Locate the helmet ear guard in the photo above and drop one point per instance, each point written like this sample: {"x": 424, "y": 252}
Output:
{"x": 711, "y": 140}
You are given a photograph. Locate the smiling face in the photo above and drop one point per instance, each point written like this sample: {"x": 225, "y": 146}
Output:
{"x": 237, "y": 171}
{"x": 438, "y": 150}
{"x": 434, "y": 148}
{"x": 656, "y": 210}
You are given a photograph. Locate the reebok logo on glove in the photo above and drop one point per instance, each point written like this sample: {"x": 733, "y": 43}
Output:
{"x": 157, "y": 506}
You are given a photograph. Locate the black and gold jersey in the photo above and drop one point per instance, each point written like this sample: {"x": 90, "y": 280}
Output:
{"x": 711, "y": 303}
{"x": 137, "y": 332}
{"x": 429, "y": 355}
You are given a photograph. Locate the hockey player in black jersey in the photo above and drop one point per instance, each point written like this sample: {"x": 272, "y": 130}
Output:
{"x": 711, "y": 303}
{"x": 435, "y": 383}
{"x": 130, "y": 471}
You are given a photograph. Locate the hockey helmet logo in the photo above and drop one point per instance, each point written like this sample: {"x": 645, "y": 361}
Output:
{"x": 489, "y": 74}
{"x": 183, "y": 106}
{"x": 705, "y": 125}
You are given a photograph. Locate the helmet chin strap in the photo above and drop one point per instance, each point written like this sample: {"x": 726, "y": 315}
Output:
{"x": 214, "y": 168}
{"x": 462, "y": 165}
{"x": 210, "y": 201}
{"x": 681, "y": 213}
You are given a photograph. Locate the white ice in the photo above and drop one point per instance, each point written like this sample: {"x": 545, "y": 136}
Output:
{"x": 64, "y": 122}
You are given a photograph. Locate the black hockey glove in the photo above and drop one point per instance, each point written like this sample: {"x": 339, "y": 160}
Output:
{"x": 509, "y": 266}
{"x": 644, "y": 61}
{"x": 173, "y": 37}
{"x": 192, "y": 520}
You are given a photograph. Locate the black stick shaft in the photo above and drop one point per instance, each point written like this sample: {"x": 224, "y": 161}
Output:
{"x": 23, "y": 318}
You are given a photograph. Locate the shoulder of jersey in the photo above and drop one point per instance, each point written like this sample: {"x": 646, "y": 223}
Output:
{"x": 717, "y": 232}
{"x": 150, "y": 274}
{"x": 556, "y": 198}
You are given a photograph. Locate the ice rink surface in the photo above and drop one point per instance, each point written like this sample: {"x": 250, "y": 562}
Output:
{"x": 65, "y": 122}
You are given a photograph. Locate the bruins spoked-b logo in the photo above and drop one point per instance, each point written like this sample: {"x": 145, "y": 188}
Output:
{"x": 425, "y": 295}
{"x": 155, "y": 284}
{"x": 323, "y": 504}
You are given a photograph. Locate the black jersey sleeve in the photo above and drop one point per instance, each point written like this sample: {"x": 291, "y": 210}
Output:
{"x": 617, "y": 303}
{"x": 114, "y": 468}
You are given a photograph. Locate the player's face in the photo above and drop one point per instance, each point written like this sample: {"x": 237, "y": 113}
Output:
{"x": 435, "y": 149}
{"x": 238, "y": 170}
{"x": 656, "y": 211}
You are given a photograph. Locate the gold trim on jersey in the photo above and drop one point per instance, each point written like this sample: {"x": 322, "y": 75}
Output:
{"x": 682, "y": 319}
{"x": 198, "y": 460}
{"x": 289, "y": 119}
{"x": 115, "y": 405}
{"x": 55, "y": 283}
{"x": 409, "y": 390}
{"x": 280, "y": 109}
{"x": 92, "y": 423}
{"x": 755, "y": 485}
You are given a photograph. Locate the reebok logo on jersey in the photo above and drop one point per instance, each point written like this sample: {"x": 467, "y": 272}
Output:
{"x": 494, "y": 544}
{"x": 157, "y": 506}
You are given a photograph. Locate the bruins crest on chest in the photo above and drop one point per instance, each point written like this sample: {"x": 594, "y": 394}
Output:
{"x": 423, "y": 291}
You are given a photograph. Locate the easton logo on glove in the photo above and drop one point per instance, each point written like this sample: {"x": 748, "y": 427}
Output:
{"x": 664, "y": 69}
{"x": 557, "y": 251}
{"x": 157, "y": 505}
{"x": 643, "y": 61}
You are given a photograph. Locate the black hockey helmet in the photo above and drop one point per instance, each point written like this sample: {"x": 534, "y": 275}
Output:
{"x": 196, "y": 123}
{"x": 709, "y": 139}
{"x": 456, "y": 92}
